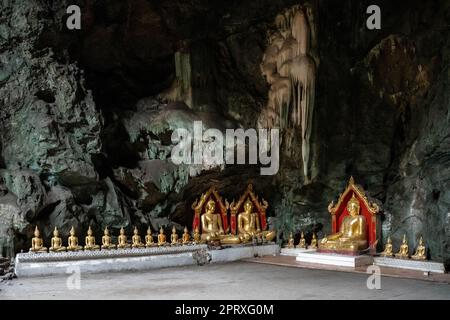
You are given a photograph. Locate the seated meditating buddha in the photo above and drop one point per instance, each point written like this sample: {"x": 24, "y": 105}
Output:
{"x": 352, "y": 232}
{"x": 136, "y": 239}
{"x": 420, "y": 253}
{"x": 174, "y": 237}
{"x": 290, "y": 244}
{"x": 149, "y": 238}
{"x": 403, "y": 253}
{"x": 106, "y": 240}
{"x": 212, "y": 229}
{"x": 387, "y": 252}
{"x": 56, "y": 242}
{"x": 122, "y": 241}
{"x": 302, "y": 242}
{"x": 313, "y": 244}
{"x": 186, "y": 236}
{"x": 37, "y": 244}
{"x": 89, "y": 241}
{"x": 161, "y": 237}
{"x": 197, "y": 236}
{"x": 72, "y": 241}
{"x": 249, "y": 225}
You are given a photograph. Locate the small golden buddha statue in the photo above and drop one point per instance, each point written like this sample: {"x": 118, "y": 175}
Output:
{"x": 212, "y": 229}
{"x": 197, "y": 236}
{"x": 388, "y": 252}
{"x": 420, "y": 253}
{"x": 161, "y": 237}
{"x": 56, "y": 242}
{"x": 122, "y": 240}
{"x": 313, "y": 244}
{"x": 72, "y": 241}
{"x": 136, "y": 239}
{"x": 106, "y": 240}
{"x": 352, "y": 232}
{"x": 174, "y": 236}
{"x": 186, "y": 236}
{"x": 149, "y": 238}
{"x": 403, "y": 253}
{"x": 89, "y": 241}
{"x": 37, "y": 244}
{"x": 290, "y": 244}
{"x": 302, "y": 242}
{"x": 249, "y": 225}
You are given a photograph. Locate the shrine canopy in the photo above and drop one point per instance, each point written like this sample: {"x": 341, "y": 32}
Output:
{"x": 368, "y": 209}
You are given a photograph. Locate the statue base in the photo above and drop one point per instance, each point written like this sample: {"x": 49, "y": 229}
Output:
{"x": 295, "y": 251}
{"x": 335, "y": 259}
{"x": 420, "y": 265}
{"x": 345, "y": 252}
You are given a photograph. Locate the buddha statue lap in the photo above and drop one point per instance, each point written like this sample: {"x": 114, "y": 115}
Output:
{"x": 56, "y": 242}
{"x": 352, "y": 232}
{"x": 388, "y": 252}
{"x": 136, "y": 239}
{"x": 90, "y": 241}
{"x": 212, "y": 229}
{"x": 122, "y": 241}
{"x": 106, "y": 240}
{"x": 249, "y": 225}
{"x": 420, "y": 253}
{"x": 403, "y": 253}
{"x": 72, "y": 241}
{"x": 37, "y": 244}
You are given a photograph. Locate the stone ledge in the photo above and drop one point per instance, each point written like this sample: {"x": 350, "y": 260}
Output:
{"x": 334, "y": 259}
{"x": 426, "y": 266}
{"x": 294, "y": 251}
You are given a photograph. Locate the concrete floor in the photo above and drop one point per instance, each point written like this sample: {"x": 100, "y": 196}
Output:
{"x": 239, "y": 280}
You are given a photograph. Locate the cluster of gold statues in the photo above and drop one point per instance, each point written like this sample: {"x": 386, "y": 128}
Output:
{"x": 403, "y": 253}
{"x": 247, "y": 224}
{"x": 302, "y": 243}
{"x": 56, "y": 244}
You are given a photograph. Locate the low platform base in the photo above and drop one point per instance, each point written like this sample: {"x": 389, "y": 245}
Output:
{"x": 425, "y": 266}
{"x": 294, "y": 251}
{"x": 335, "y": 259}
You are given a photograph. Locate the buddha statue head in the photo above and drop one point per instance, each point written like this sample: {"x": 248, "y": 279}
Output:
{"x": 106, "y": 232}
{"x": 122, "y": 231}
{"x": 421, "y": 242}
{"x": 89, "y": 232}
{"x": 72, "y": 231}
{"x": 353, "y": 206}
{"x": 185, "y": 229}
{"x": 174, "y": 231}
{"x": 389, "y": 241}
{"x": 248, "y": 206}
{"x": 36, "y": 232}
{"x": 56, "y": 233}
{"x": 210, "y": 206}
{"x": 149, "y": 231}
{"x": 161, "y": 230}
{"x": 135, "y": 231}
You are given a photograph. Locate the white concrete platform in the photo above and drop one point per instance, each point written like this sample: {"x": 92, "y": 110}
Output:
{"x": 45, "y": 264}
{"x": 294, "y": 251}
{"x": 426, "y": 266}
{"x": 334, "y": 259}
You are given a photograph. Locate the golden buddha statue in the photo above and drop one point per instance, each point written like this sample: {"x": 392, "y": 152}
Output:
{"x": 56, "y": 242}
{"x": 290, "y": 244}
{"x": 186, "y": 236}
{"x": 37, "y": 244}
{"x": 136, "y": 239}
{"x": 106, "y": 240}
{"x": 249, "y": 224}
{"x": 387, "y": 249}
{"x": 302, "y": 242}
{"x": 420, "y": 253}
{"x": 212, "y": 229}
{"x": 122, "y": 240}
{"x": 89, "y": 241}
{"x": 174, "y": 236}
{"x": 149, "y": 238}
{"x": 352, "y": 232}
{"x": 161, "y": 237}
{"x": 403, "y": 253}
{"x": 197, "y": 236}
{"x": 72, "y": 241}
{"x": 313, "y": 244}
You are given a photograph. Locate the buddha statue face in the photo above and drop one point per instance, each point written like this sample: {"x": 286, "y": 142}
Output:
{"x": 421, "y": 241}
{"x": 72, "y": 231}
{"x": 161, "y": 230}
{"x": 135, "y": 231}
{"x": 185, "y": 230}
{"x": 174, "y": 230}
{"x": 353, "y": 206}
{"x": 89, "y": 232}
{"x": 36, "y": 232}
{"x": 106, "y": 231}
{"x": 56, "y": 233}
{"x": 197, "y": 230}
{"x": 149, "y": 231}
{"x": 122, "y": 231}
{"x": 210, "y": 206}
{"x": 248, "y": 206}
{"x": 389, "y": 241}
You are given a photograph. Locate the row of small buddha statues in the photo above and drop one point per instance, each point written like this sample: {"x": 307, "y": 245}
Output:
{"x": 403, "y": 253}
{"x": 302, "y": 243}
{"x": 56, "y": 244}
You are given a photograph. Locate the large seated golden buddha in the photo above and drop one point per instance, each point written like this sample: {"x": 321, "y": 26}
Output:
{"x": 354, "y": 223}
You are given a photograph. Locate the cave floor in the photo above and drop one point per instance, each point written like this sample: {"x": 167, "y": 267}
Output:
{"x": 238, "y": 280}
